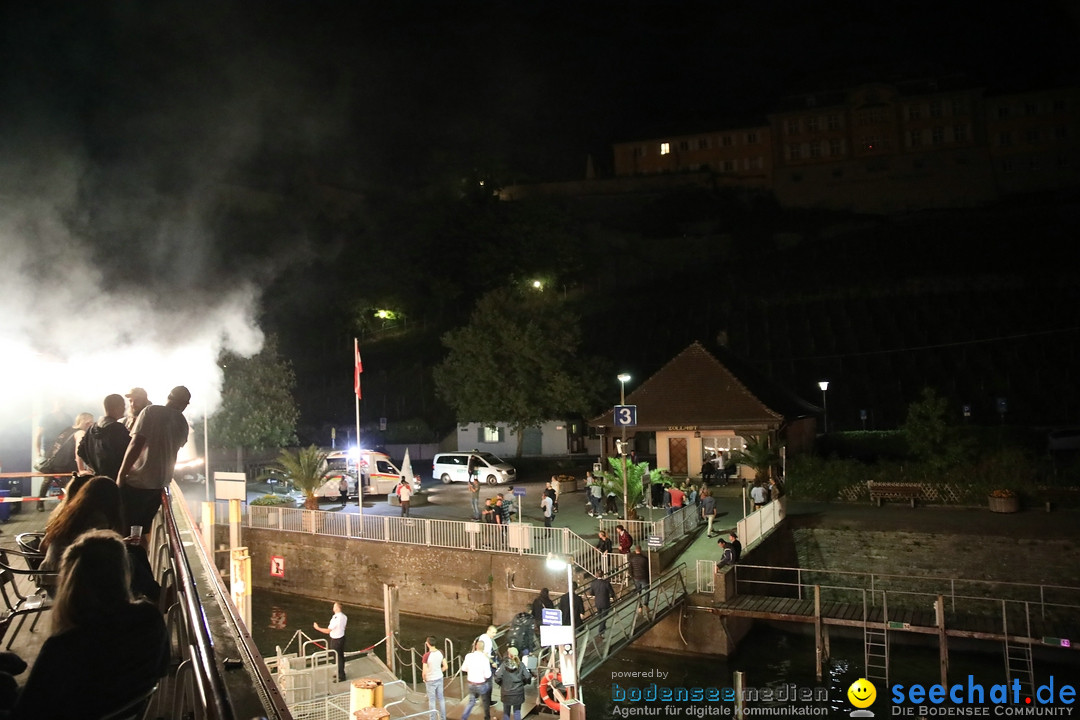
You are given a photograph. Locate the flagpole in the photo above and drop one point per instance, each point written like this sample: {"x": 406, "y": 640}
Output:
{"x": 357, "y": 369}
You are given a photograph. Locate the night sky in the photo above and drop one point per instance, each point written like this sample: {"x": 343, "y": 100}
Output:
{"x": 121, "y": 121}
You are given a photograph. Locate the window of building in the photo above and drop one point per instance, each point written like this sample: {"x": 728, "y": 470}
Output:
{"x": 726, "y": 140}
{"x": 1063, "y": 160}
{"x": 937, "y": 135}
{"x": 836, "y": 147}
{"x": 1031, "y": 136}
{"x": 833, "y": 122}
{"x": 811, "y": 124}
{"x": 1005, "y": 139}
{"x": 916, "y": 164}
{"x": 794, "y": 152}
{"x": 913, "y": 112}
{"x": 792, "y": 127}
{"x": 1059, "y": 106}
{"x": 959, "y": 133}
{"x": 703, "y": 143}
{"x": 1061, "y": 133}
{"x": 1033, "y": 164}
{"x": 796, "y": 177}
{"x": 837, "y": 173}
{"x": 758, "y": 163}
{"x": 1003, "y": 112}
{"x": 959, "y": 106}
{"x": 729, "y": 166}
{"x": 665, "y": 148}
{"x": 639, "y": 151}
{"x": 935, "y": 109}
{"x": 684, "y": 145}
{"x": 815, "y": 149}
{"x": 1031, "y": 108}
{"x": 751, "y": 138}
{"x": 914, "y": 138}
{"x": 1007, "y": 165}
{"x": 493, "y": 434}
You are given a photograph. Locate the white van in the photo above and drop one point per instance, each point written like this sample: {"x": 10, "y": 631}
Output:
{"x": 379, "y": 473}
{"x": 454, "y": 467}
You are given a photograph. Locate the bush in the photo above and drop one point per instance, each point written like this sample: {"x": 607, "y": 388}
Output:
{"x": 275, "y": 500}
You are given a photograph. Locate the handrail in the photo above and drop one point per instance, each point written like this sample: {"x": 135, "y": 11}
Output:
{"x": 211, "y": 685}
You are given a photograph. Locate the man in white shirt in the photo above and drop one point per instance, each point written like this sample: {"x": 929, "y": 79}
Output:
{"x": 336, "y": 631}
{"x": 477, "y": 669}
{"x": 433, "y": 669}
{"x": 759, "y": 495}
{"x": 404, "y": 495}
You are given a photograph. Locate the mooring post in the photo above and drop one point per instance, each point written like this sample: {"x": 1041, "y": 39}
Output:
{"x": 391, "y": 621}
{"x": 737, "y": 682}
{"x": 817, "y": 633}
{"x": 943, "y": 640}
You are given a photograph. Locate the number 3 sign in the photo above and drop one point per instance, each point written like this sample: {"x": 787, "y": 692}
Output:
{"x": 625, "y": 415}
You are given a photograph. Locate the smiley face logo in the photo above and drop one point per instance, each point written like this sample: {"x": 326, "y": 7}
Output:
{"x": 862, "y": 693}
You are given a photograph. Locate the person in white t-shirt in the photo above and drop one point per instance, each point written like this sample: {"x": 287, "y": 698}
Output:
{"x": 404, "y": 492}
{"x": 433, "y": 669}
{"x": 477, "y": 669}
{"x": 336, "y": 631}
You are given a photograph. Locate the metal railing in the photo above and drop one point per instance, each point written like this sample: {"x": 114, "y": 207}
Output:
{"x": 752, "y": 527}
{"x": 668, "y": 528}
{"x": 513, "y": 538}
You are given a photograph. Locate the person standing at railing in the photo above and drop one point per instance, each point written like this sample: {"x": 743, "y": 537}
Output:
{"x": 433, "y": 668}
{"x": 759, "y": 495}
{"x": 735, "y": 545}
{"x": 626, "y": 541}
{"x": 678, "y": 497}
{"x": 728, "y": 557}
{"x": 474, "y": 496}
{"x": 336, "y": 631}
{"x": 548, "y": 506}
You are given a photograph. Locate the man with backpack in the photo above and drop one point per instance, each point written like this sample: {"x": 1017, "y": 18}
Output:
{"x": 104, "y": 445}
{"x": 61, "y": 457}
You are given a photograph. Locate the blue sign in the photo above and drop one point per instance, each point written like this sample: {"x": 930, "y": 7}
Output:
{"x": 551, "y": 616}
{"x": 625, "y": 415}
{"x": 519, "y": 492}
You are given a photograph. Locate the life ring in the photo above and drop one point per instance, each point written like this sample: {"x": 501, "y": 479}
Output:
{"x": 550, "y": 685}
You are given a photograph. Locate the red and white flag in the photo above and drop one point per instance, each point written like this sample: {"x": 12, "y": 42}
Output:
{"x": 358, "y": 369}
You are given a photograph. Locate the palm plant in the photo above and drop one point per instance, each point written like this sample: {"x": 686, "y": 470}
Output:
{"x": 758, "y": 456}
{"x": 307, "y": 469}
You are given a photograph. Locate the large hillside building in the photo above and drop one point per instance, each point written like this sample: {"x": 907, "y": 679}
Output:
{"x": 873, "y": 148}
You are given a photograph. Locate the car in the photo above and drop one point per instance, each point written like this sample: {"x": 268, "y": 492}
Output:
{"x": 380, "y": 474}
{"x": 453, "y": 467}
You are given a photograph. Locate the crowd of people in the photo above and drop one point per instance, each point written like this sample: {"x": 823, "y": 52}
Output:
{"x": 108, "y": 640}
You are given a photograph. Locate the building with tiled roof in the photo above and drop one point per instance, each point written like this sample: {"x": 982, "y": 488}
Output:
{"x": 698, "y": 406}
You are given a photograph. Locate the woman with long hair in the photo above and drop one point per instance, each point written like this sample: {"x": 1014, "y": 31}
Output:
{"x": 95, "y": 507}
{"x": 106, "y": 648}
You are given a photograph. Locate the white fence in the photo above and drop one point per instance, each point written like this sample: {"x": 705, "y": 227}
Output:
{"x": 761, "y": 521}
{"x": 515, "y": 538}
{"x": 668, "y": 528}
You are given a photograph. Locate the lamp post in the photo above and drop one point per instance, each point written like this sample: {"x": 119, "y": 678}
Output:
{"x": 824, "y": 385}
{"x": 623, "y": 379}
{"x": 558, "y": 562}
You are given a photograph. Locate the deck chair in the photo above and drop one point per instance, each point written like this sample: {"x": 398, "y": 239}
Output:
{"x": 20, "y": 602}
{"x": 30, "y": 546}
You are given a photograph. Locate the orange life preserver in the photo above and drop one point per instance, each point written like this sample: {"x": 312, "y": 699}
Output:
{"x": 549, "y": 685}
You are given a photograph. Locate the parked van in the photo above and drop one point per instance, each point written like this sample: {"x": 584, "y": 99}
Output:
{"x": 454, "y": 467}
{"x": 378, "y": 472}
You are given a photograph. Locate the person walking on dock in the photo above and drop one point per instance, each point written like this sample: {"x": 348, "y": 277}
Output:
{"x": 477, "y": 670}
{"x": 433, "y": 669}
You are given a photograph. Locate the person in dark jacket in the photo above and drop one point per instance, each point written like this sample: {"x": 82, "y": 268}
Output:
{"x": 512, "y": 677}
{"x": 579, "y": 608}
{"x": 603, "y": 596}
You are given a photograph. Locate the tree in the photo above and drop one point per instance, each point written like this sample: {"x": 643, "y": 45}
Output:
{"x": 257, "y": 406}
{"x": 516, "y": 362}
{"x": 307, "y": 469}
{"x": 930, "y": 436}
{"x": 759, "y": 456}
{"x": 635, "y": 485}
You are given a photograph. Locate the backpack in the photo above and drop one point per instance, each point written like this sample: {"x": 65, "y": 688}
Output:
{"x": 62, "y": 457}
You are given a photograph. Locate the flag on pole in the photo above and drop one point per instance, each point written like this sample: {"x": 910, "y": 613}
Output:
{"x": 358, "y": 369}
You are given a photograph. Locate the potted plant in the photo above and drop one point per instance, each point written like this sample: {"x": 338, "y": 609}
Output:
{"x": 1004, "y": 501}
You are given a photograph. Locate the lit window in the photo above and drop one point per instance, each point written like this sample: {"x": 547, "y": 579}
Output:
{"x": 493, "y": 434}
{"x": 665, "y": 148}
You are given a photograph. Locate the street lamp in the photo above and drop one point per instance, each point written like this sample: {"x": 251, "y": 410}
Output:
{"x": 558, "y": 562}
{"x": 623, "y": 379}
{"x": 824, "y": 385}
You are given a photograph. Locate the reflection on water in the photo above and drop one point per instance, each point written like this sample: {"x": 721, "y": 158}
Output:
{"x": 768, "y": 657}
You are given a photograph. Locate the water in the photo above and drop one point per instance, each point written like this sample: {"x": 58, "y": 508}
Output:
{"x": 770, "y": 657}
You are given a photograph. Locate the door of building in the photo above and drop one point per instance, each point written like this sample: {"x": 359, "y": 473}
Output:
{"x": 677, "y": 455}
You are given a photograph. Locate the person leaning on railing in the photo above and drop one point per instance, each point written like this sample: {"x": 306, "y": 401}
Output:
{"x": 106, "y": 648}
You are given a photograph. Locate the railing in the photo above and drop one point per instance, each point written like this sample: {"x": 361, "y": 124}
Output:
{"x": 752, "y": 527}
{"x": 198, "y": 688}
{"x": 668, "y": 528}
{"x": 514, "y": 538}
{"x": 705, "y": 576}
